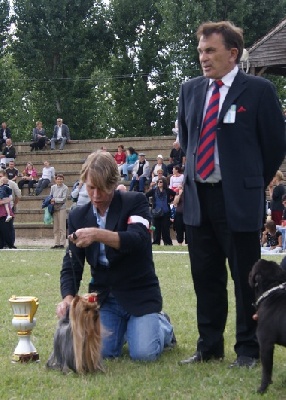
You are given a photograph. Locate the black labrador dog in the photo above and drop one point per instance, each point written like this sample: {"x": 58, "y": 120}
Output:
{"x": 269, "y": 282}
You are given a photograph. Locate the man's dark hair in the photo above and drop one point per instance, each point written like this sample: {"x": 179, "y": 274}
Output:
{"x": 232, "y": 35}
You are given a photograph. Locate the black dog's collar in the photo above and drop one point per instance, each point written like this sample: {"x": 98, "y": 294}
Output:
{"x": 282, "y": 286}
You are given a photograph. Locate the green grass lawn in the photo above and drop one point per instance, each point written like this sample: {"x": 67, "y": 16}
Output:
{"x": 36, "y": 273}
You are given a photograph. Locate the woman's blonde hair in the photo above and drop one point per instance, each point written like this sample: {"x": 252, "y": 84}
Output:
{"x": 102, "y": 171}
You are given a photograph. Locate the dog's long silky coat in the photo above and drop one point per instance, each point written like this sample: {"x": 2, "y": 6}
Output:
{"x": 271, "y": 310}
{"x": 77, "y": 340}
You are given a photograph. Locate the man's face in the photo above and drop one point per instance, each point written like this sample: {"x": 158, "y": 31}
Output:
{"x": 59, "y": 122}
{"x": 98, "y": 197}
{"x": 215, "y": 59}
{"x": 8, "y": 142}
{"x": 11, "y": 164}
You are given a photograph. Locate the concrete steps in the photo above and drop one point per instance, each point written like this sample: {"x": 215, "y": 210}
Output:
{"x": 29, "y": 216}
{"x": 33, "y": 230}
{"x": 89, "y": 146}
{"x": 69, "y": 161}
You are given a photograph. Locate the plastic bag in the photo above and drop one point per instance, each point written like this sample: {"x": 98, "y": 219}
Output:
{"x": 48, "y": 218}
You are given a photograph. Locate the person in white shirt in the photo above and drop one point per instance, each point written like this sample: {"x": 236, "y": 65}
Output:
{"x": 48, "y": 173}
{"x": 176, "y": 179}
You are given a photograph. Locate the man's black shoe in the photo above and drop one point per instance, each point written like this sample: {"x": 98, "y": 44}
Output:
{"x": 55, "y": 246}
{"x": 198, "y": 357}
{"x": 61, "y": 246}
{"x": 244, "y": 361}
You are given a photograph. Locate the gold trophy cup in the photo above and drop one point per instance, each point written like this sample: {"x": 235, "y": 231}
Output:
{"x": 24, "y": 309}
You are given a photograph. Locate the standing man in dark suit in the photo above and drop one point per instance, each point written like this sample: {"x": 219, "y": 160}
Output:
{"x": 111, "y": 233}
{"x": 232, "y": 154}
{"x": 61, "y": 134}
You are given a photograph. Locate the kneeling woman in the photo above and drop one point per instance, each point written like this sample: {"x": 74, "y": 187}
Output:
{"x": 162, "y": 196}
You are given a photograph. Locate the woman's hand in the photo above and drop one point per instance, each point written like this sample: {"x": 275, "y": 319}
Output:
{"x": 84, "y": 237}
{"x": 63, "y": 305}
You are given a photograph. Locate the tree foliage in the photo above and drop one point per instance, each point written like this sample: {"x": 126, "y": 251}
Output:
{"x": 57, "y": 44}
{"x": 110, "y": 68}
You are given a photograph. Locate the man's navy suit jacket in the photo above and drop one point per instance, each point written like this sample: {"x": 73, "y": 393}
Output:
{"x": 251, "y": 149}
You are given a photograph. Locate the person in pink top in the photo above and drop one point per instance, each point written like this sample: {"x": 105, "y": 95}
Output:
{"x": 29, "y": 177}
{"x": 120, "y": 157}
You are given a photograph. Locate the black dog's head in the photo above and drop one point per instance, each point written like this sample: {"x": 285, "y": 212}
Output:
{"x": 265, "y": 275}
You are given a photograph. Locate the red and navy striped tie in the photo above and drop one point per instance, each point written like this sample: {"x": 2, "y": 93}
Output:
{"x": 205, "y": 155}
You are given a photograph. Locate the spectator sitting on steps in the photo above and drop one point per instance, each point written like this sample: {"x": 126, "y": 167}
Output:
{"x": 8, "y": 154}
{"x": 48, "y": 174}
{"x": 61, "y": 134}
{"x": 131, "y": 158}
{"x": 159, "y": 166}
{"x": 39, "y": 138}
{"x": 29, "y": 177}
{"x": 5, "y": 134}
{"x": 79, "y": 194}
{"x": 12, "y": 172}
{"x": 141, "y": 172}
{"x": 177, "y": 157}
{"x": 120, "y": 157}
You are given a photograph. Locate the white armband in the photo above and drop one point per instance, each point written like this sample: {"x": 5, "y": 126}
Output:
{"x": 135, "y": 219}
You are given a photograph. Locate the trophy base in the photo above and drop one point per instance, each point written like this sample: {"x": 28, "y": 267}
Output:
{"x": 24, "y": 358}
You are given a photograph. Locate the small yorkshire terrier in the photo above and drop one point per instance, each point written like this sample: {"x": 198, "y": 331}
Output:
{"x": 77, "y": 340}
